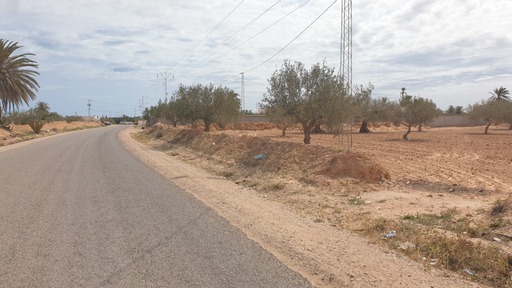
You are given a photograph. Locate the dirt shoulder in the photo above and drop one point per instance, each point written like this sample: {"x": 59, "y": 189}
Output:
{"x": 20, "y": 133}
{"x": 326, "y": 255}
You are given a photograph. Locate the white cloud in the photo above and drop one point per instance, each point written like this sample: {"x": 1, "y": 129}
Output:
{"x": 452, "y": 51}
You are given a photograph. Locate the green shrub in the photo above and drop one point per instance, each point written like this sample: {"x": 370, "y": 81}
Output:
{"x": 36, "y": 124}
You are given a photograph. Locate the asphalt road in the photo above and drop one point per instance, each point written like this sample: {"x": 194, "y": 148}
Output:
{"x": 78, "y": 210}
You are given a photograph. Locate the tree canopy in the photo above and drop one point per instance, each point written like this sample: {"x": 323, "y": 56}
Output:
{"x": 491, "y": 111}
{"x": 312, "y": 97}
{"x": 499, "y": 94}
{"x": 207, "y": 103}
{"x": 17, "y": 77}
{"x": 415, "y": 111}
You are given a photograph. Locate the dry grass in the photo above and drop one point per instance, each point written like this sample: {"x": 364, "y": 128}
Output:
{"x": 420, "y": 238}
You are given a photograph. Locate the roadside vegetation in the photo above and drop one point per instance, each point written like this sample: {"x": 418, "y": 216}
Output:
{"x": 317, "y": 99}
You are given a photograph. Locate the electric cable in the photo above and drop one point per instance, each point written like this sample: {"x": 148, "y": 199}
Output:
{"x": 281, "y": 50}
{"x": 204, "y": 38}
{"x": 209, "y": 53}
{"x": 289, "y": 43}
{"x": 247, "y": 40}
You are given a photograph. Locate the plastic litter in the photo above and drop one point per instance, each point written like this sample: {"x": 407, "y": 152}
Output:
{"x": 260, "y": 156}
{"x": 391, "y": 234}
{"x": 469, "y": 272}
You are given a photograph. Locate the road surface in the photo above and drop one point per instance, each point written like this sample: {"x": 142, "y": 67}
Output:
{"x": 78, "y": 210}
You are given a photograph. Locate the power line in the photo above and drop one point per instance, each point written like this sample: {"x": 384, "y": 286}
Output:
{"x": 281, "y": 50}
{"x": 204, "y": 38}
{"x": 247, "y": 40}
{"x": 209, "y": 54}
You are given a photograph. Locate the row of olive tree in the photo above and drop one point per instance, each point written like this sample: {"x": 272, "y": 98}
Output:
{"x": 317, "y": 96}
{"x": 199, "y": 102}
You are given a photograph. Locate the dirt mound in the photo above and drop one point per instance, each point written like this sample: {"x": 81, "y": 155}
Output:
{"x": 355, "y": 165}
{"x": 265, "y": 154}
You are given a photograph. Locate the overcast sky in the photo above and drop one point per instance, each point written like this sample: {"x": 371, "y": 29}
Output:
{"x": 110, "y": 52}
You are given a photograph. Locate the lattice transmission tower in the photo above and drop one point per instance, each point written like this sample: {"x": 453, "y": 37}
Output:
{"x": 346, "y": 44}
{"x": 346, "y": 55}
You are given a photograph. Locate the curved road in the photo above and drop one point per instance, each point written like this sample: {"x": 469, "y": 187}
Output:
{"x": 78, "y": 210}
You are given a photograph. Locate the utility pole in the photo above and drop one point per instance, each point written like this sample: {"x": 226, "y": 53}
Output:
{"x": 89, "y": 108}
{"x": 141, "y": 105}
{"x": 346, "y": 44}
{"x": 346, "y": 52}
{"x": 165, "y": 76}
{"x": 242, "y": 92}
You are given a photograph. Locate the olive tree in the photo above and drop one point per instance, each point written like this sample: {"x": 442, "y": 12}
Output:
{"x": 306, "y": 95}
{"x": 279, "y": 116}
{"x": 207, "y": 103}
{"x": 362, "y": 107}
{"x": 491, "y": 111}
{"x": 415, "y": 111}
{"x": 498, "y": 109}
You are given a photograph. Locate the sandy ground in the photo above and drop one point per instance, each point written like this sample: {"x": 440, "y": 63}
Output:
{"x": 434, "y": 171}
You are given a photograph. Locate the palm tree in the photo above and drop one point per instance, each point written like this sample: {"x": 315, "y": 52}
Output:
{"x": 498, "y": 94}
{"x": 17, "y": 72}
{"x": 42, "y": 107}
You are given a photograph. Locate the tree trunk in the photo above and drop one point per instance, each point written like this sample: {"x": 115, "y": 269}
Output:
{"x": 283, "y": 131}
{"x": 307, "y": 133}
{"x": 3, "y": 125}
{"x": 510, "y": 128}
{"x": 307, "y": 136}
{"x": 419, "y": 127}
{"x": 206, "y": 126}
{"x": 487, "y": 127}
{"x": 364, "y": 127}
{"x": 407, "y": 133}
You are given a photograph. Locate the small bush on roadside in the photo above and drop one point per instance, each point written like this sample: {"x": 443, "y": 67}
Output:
{"x": 277, "y": 186}
{"x": 356, "y": 200}
{"x": 159, "y": 134}
{"x": 36, "y": 124}
{"x": 500, "y": 207}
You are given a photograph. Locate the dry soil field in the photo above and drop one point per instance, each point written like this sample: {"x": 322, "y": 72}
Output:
{"x": 443, "y": 198}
